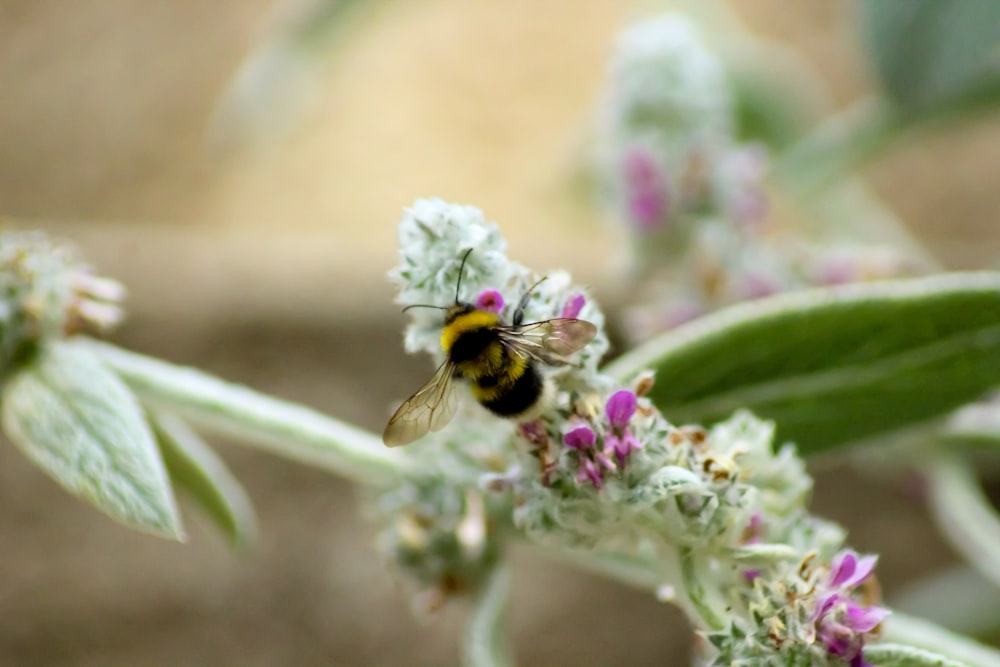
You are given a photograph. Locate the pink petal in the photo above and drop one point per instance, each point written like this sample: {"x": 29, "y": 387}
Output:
{"x": 573, "y": 306}
{"x": 579, "y": 436}
{"x": 865, "y": 619}
{"x": 620, "y": 408}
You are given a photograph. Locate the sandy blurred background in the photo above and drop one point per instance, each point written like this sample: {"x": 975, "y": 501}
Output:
{"x": 266, "y": 265}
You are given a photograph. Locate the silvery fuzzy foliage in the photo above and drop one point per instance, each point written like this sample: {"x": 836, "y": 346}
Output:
{"x": 439, "y": 535}
{"x": 600, "y": 468}
{"x": 666, "y": 128}
{"x": 47, "y": 292}
{"x": 685, "y": 486}
{"x": 665, "y": 85}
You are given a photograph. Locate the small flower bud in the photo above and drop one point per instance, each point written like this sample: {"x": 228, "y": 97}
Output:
{"x": 47, "y": 292}
{"x": 579, "y": 436}
{"x": 490, "y": 300}
{"x": 620, "y": 408}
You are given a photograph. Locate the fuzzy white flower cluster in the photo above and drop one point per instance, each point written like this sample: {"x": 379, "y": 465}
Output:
{"x": 434, "y": 236}
{"x": 46, "y": 292}
{"x": 667, "y": 149}
{"x": 692, "y": 197}
{"x": 666, "y": 85}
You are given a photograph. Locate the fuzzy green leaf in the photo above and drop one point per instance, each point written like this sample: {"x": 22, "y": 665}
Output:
{"x": 196, "y": 469}
{"x": 835, "y": 366}
{"x": 77, "y": 421}
{"x": 896, "y": 655}
{"x": 935, "y": 56}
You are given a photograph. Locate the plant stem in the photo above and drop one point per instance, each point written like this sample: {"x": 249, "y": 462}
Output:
{"x": 837, "y": 145}
{"x": 486, "y": 643}
{"x": 964, "y": 513}
{"x": 285, "y": 429}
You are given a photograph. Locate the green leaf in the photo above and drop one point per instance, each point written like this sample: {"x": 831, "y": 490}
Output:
{"x": 935, "y": 56}
{"x": 77, "y": 421}
{"x": 897, "y": 655}
{"x": 196, "y": 469}
{"x": 833, "y": 366}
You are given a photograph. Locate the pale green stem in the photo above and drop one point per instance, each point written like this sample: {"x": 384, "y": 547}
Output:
{"x": 662, "y": 576}
{"x": 915, "y": 632}
{"x": 959, "y": 598}
{"x": 710, "y": 610}
{"x": 837, "y": 145}
{"x": 486, "y": 642}
{"x": 964, "y": 513}
{"x": 286, "y": 429}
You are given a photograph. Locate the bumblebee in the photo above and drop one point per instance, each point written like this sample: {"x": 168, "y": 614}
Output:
{"x": 500, "y": 362}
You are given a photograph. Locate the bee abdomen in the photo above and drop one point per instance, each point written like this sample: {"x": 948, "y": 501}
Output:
{"x": 518, "y": 398}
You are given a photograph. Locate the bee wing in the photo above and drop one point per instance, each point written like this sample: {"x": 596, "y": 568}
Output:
{"x": 429, "y": 409}
{"x": 550, "y": 341}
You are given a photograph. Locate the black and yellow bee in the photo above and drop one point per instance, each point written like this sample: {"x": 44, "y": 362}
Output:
{"x": 499, "y": 361}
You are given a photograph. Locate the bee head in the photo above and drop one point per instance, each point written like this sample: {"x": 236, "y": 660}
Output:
{"x": 455, "y": 311}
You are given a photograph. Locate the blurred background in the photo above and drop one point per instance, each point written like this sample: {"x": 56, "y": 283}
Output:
{"x": 256, "y": 248}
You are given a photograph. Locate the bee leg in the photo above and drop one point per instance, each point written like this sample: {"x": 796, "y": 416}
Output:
{"x": 523, "y": 303}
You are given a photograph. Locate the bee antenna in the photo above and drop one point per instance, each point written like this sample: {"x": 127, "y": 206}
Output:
{"x": 461, "y": 270}
{"x": 423, "y": 305}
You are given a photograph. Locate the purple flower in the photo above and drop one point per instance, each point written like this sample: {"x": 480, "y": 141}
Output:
{"x": 622, "y": 446}
{"x": 602, "y": 460}
{"x": 646, "y": 192}
{"x": 842, "y": 623}
{"x": 490, "y": 300}
{"x": 620, "y": 441}
{"x": 848, "y": 570}
{"x": 620, "y": 408}
{"x": 579, "y": 436}
{"x": 590, "y": 472}
{"x": 573, "y": 306}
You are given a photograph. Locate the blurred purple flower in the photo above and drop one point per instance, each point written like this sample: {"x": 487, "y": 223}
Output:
{"x": 646, "y": 189}
{"x": 573, "y": 306}
{"x": 490, "y": 300}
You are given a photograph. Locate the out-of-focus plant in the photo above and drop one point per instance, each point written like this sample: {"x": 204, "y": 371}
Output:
{"x": 936, "y": 63}
{"x": 679, "y": 466}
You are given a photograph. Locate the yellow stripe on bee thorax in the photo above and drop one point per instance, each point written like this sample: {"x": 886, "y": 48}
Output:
{"x": 477, "y": 319}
